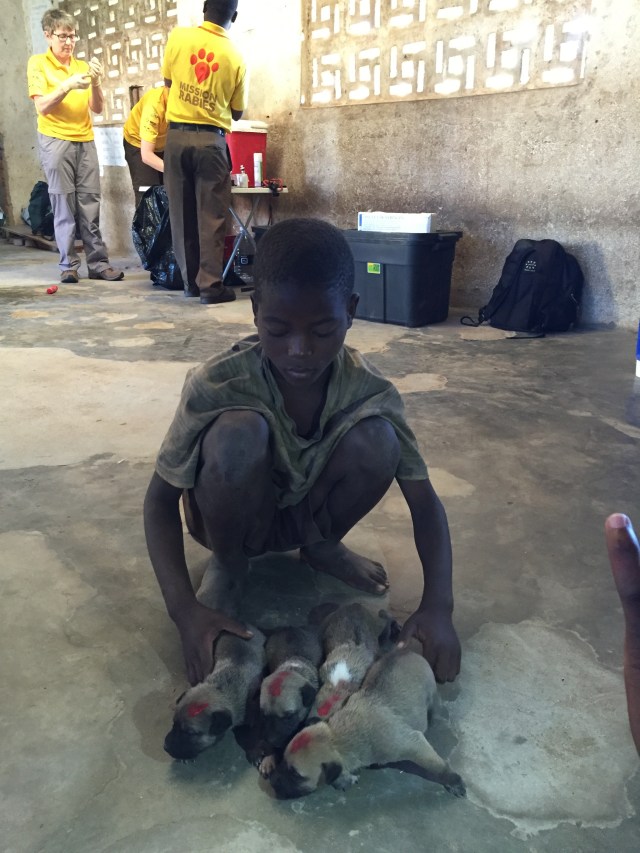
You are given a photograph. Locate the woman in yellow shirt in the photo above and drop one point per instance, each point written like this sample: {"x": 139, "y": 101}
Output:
{"x": 63, "y": 90}
{"x": 145, "y": 134}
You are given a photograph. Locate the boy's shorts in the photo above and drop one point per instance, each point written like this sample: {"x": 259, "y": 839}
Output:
{"x": 289, "y": 528}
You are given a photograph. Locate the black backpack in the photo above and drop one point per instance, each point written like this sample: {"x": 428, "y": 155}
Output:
{"x": 539, "y": 290}
{"x": 40, "y": 212}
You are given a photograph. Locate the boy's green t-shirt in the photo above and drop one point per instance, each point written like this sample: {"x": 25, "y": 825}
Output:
{"x": 242, "y": 380}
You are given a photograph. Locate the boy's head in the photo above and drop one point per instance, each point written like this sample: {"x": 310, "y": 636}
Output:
{"x": 303, "y": 301}
{"x": 303, "y": 252}
{"x": 221, "y": 12}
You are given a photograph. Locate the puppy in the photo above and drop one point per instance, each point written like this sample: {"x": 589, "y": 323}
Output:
{"x": 293, "y": 657}
{"x": 381, "y": 724}
{"x": 351, "y": 638}
{"x": 205, "y": 712}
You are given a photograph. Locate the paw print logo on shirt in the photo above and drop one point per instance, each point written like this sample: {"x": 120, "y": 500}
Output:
{"x": 204, "y": 64}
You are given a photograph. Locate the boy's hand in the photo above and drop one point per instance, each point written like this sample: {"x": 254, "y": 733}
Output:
{"x": 624, "y": 557}
{"x": 199, "y": 627}
{"x": 440, "y": 643}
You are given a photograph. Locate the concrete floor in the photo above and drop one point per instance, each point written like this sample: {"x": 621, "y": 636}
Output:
{"x": 531, "y": 444}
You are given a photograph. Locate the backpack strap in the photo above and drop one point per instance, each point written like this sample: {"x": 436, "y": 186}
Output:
{"x": 469, "y": 321}
{"x": 524, "y": 335}
{"x": 520, "y": 335}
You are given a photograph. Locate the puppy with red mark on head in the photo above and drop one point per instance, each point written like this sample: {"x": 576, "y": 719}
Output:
{"x": 382, "y": 724}
{"x": 287, "y": 693}
{"x": 352, "y": 639}
{"x": 205, "y": 712}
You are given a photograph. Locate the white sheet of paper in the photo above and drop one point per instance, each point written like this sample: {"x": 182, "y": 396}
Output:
{"x": 109, "y": 145}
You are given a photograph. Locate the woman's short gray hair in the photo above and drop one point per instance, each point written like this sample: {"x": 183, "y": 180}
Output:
{"x": 54, "y": 18}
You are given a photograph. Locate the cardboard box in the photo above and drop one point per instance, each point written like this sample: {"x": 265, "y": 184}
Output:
{"x": 395, "y": 223}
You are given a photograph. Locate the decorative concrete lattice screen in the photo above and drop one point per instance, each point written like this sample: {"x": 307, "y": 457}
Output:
{"x": 369, "y": 51}
{"x": 128, "y": 37}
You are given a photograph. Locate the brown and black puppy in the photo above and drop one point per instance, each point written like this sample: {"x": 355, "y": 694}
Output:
{"x": 381, "y": 724}
{"x": 205, "y": 712}
{"x": 351, "y": 638}
{"x": 293, "y": 657}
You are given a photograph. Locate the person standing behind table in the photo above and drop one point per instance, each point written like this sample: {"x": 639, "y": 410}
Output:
{"x": 207, "y": 78}
{"x": 63, "y": 90}
{"x": 145, "y": 135}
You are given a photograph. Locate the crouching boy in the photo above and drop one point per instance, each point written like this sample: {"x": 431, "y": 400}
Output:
{"x": 286, "y": 442}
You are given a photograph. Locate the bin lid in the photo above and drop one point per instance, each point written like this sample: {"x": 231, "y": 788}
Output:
{"x": 356, "y": 236}
{"x": 246, "y": 125}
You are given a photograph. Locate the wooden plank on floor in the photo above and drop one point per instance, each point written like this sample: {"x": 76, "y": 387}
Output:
{"x": 23, "y": 232}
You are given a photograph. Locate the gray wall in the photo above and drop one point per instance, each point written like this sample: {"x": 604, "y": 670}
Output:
{"x": 559, "y": 163}
{"x": 17, "y": 113}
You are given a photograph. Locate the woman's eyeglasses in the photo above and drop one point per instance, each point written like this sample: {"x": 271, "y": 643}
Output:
{"x": 65, "y": 37}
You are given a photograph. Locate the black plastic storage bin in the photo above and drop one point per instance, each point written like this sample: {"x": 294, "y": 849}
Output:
{"x": 403, "y": 278}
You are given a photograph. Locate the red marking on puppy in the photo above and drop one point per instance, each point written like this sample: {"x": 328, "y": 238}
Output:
{"x": 197, "y": 708}
{"x": 328, "y": 704}
{"x": 275, "y": 686}
{"x": 300, "y": 741}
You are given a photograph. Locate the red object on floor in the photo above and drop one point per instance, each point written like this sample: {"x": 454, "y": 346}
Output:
{"x": 52, "y": 289}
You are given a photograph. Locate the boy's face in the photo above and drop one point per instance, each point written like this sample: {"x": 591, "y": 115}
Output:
{"x": 302, "y": 330}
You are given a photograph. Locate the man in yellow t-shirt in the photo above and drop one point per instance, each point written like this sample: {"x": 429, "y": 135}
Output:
{"x": 145, "y": 135}
{"x": 63, "y": 90}
{"x": 207, "y": 77}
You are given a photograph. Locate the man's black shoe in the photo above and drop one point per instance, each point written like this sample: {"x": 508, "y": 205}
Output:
{"x": 214, "y": 296}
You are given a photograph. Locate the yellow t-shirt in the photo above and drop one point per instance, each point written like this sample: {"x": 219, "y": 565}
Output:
{"x": 207, "y": 73}
{"x": 147, "y": 120}
{"x": 70, "y": 120}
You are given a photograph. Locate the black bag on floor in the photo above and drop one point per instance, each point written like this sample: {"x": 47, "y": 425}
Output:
{"x": 539, "y": 291}
{"x": 151, "y": 233}
{"x": 40, "y": 212}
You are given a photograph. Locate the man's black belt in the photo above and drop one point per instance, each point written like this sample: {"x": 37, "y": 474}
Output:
{"x": 195, "y": 128}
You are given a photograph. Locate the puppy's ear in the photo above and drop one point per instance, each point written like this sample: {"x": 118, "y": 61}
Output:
{"x": 331, "y": 771}
{"x": 220, "y": 722}
{"x": 308, "y": 694}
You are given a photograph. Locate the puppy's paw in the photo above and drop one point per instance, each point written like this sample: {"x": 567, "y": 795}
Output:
{"x": 454, "y": 785}
{"x": 267, "y": 766}
{"x": 344, "y": 781}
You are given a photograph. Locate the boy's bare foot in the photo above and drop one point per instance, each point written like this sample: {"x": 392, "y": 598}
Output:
{"x": 222, "y": 585}
{"x": 336, "y": 559}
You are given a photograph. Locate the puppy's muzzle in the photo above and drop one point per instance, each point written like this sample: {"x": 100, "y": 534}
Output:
{"x": 180, "y": 746}
{"x": 279, "y": 731}
{"x": 287, "y": 783}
